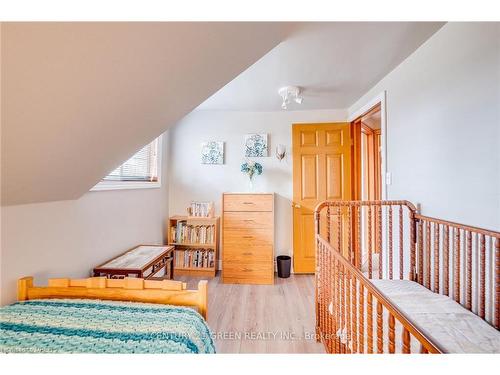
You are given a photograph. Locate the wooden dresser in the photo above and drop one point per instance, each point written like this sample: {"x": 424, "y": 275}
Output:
{"x": 248, "y": 238}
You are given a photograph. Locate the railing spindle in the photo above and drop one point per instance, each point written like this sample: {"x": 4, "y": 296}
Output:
{"x": 406, "y": 341}
{"x": 329, "y": 299}
{"x": 370, "y": 322}
{"x": 319, "y": 271}
{"x": 361, "y": 318}
{"x": 342, "y": 307}
{"x": 446, "y": 260}
{"x": 339, "y": 230}
{"x": 428, "y": 254}
{"x": 336, "y": 310}
{"x": 317, "y": 304}
{"x": 392, "y": 335}
{"x": 349, "y": 234}
{"x": 328, "y": 224}
{"x": 380, "y": 328}
{"x": 497, "y": 283}
{"x": 412, "y": 275}
{"x": 390, "y": 245}
{"x": 359, "y": 254}
{"x": 468, "y": 303}
{"x": 420, "y": 252}
{"x": 456, "y": 277}
{"x": 401, "y": 256}
{"x": 482, "y": 276}
{"x": 322, "y": 296}
{"x": 379, "y": 242}
{"x": 348, "y": 310}
{"x": 370, "y": 242}
{"x": 354, "y": 311}
{"x": 436, "y": 258}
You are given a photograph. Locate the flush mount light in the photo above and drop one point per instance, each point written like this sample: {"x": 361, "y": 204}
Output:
{"x": 289, "y": 94}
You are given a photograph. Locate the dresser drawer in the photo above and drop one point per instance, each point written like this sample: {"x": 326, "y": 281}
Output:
{"x": 247, "y": 270}
{"x": 245, "y": 254}
{"x": 248, "y": 202}
{"x": 249, "y": 279}
{"x": 248, "y": 220}
{"x": 248, "y": 237}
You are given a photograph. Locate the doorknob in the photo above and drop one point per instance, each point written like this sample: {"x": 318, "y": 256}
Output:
{"x": 295, "y": 205}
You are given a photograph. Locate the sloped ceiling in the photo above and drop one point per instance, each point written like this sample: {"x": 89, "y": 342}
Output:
{"x": 335, "y": 63}
{"x": 79, "y": 98}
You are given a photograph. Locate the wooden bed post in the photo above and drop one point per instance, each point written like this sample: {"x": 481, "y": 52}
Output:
{"x": 203, "y": 298}
{"x": 22, "y": 287}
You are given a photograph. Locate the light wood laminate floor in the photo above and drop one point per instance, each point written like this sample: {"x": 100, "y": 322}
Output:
{"x": 275, "y": 318}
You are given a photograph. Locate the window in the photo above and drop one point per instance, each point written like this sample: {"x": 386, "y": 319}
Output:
{"x": 140, "y": 171}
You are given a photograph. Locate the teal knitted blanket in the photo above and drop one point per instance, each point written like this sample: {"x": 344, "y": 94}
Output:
{"x": 94, "y": 326}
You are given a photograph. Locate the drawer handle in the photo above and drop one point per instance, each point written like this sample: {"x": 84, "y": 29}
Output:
{"x": 247, "y": 236}
{"x": 247, "y": 270}
{"x": 247, "y": 202}
{"x": 247, "y": 253}
{"x": 249, "y": 220}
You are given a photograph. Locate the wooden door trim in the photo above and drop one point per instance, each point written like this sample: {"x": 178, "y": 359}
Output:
{"x": 357, "y": 128}
{"x": 357, "y": 112}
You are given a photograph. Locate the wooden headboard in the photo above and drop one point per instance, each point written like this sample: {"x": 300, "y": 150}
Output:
{"x": 128, "y": 289}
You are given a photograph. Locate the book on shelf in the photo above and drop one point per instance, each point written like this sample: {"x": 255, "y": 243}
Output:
{"x": 201, "y": 209}
{"x": 187, "y": 233}
{"x": 201, "y": 258}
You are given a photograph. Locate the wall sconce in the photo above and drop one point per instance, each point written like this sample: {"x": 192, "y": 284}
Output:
{"x": 280, "y": 152}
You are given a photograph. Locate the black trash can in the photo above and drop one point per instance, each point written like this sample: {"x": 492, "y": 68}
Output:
{"x": 283, "y": 262}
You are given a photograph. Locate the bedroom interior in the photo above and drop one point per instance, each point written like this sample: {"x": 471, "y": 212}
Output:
{"x": 145, "y": 202}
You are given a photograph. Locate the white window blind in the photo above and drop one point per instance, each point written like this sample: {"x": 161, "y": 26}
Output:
{"x": 143, "y": 166}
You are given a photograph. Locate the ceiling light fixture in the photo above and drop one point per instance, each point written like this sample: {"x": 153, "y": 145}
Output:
{"x": 289, "y": 94}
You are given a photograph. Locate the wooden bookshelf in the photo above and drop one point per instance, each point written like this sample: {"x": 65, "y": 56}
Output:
{"x": 205, "y": 239}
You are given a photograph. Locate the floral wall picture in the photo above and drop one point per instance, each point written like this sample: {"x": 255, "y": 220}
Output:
{"x": 212, "y": 152}
{"x": 256, "y": 145}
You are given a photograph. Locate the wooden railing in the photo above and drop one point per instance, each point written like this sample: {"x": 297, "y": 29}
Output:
{"x": 462, "y": 262}
{"x": 362, "y": 240}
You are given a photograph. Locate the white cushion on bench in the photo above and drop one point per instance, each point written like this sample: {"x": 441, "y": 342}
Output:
{"x": 447, "y": 323}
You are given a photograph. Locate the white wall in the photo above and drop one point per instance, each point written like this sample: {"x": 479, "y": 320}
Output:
{"x": 443, "y": 124}
{"x": 69, "y": 238}
{"x": 190, "y": 180}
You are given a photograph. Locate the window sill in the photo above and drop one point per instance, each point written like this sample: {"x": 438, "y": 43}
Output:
{"x": 125, "y": 185}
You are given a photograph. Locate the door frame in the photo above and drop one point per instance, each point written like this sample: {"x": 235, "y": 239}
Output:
{"x": 354, "y": 114}
{"x": 354, "y": 117}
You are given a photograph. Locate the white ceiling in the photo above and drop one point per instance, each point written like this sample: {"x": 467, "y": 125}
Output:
{"x": 334, "y": 62}
{"x": 80, "y": 98}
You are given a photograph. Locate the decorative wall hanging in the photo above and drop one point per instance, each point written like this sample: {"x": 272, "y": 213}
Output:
{"x": 212, "y": 152}
{"x": 280, "y": 152}
{"x": 256, "y": 145}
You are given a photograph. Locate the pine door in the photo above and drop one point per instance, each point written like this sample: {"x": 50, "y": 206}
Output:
{"x": 321, "y": 171}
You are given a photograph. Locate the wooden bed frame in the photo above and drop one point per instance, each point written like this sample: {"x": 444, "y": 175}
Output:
{"x": 361, "y": 240}
{"x": 128, "y": 289}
